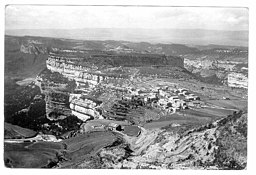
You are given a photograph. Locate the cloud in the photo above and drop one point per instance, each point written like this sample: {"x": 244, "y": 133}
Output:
{"x": 165, "y": 12}
{"x": 61, "y": 17}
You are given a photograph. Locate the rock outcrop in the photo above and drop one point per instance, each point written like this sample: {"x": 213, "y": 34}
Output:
{"x": 32, "y": 48}
{"x": 85, "y": 108}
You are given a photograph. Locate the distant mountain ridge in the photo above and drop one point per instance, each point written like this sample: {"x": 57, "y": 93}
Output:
{"x": 181, "y": 36}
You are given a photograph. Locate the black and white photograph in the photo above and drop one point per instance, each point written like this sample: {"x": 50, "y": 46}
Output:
{"x": 125, "y": 87}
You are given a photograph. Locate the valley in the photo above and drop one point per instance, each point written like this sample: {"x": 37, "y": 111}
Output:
{"x": 124, "y": 105}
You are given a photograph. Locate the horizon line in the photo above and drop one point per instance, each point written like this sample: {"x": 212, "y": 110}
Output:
{"x": 128, "y": 28}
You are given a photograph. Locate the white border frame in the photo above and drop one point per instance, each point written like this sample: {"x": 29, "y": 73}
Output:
{"x": 252, "y": 58}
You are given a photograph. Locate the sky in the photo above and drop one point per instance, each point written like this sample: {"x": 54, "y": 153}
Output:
{"x": 78, "y": 17}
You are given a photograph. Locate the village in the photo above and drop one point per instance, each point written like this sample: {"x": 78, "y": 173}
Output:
{"x": 166, "y": 99}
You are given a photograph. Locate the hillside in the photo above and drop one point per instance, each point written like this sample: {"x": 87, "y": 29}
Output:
{"x": 23, "y": 60}
{"x": 14, "y": 132}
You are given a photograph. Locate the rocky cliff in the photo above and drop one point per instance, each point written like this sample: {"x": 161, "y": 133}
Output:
{"x": 32, "y": 48}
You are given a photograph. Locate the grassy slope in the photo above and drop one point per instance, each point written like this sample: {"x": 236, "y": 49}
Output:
{"x": 31, "y": 155}
{"x": 14, "y": 131}
{"x": 20, "y": 65}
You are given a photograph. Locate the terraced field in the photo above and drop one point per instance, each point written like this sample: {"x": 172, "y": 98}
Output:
{"x": 230, "y": 104}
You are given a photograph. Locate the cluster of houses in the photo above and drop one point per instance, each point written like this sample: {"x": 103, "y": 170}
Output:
{"x": 166, "y": 98}
{"x": 170, "y": 100}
